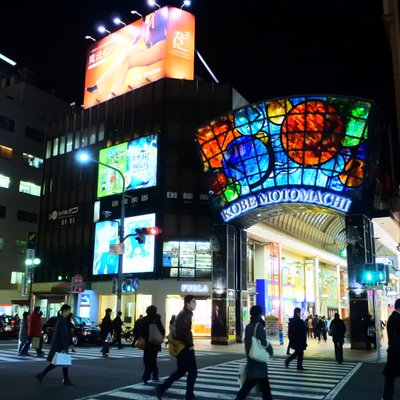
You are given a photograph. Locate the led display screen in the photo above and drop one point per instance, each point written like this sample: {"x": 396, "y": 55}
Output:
{"x": 156, "y": 46}
{"x": 296, "y": 149}
{"x": 137, "y": 160}
{"x": 138, "y": 258}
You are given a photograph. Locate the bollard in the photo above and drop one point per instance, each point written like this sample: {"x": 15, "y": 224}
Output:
{"x": 281, "y": 341}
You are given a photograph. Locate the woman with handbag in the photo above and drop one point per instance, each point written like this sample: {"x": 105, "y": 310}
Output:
{"x": 257, "y": 372}
{"x": 153, "y": 332}
{"x": 60, "y": 343}
{"x": 106, "y": 329}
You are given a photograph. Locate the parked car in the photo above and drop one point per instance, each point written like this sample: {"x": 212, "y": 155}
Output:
{"x": 85, "y": 331}
{"x": 8, "y": 329}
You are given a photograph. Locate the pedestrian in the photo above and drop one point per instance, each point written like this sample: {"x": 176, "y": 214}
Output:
{"x": 106, "y": 328}
{"x": 370, "y": 332}
{"x": 298, "y": 339}
{"x": 186, "y": 359}
{"x": 392, "y": 366}
{"x": 150, "y": 350}
{"x": 117, "y": 327}
{"x": 23, "y": 335}
{"x": 136, "y": 330}
{"x": 35, "y": 331}
{"x": 288, "y": 353}
{"x": 310, "y": 326}
{"x": 71, "y": 324}
{"x": 338, "y": 330}
{"x": 315, "y": 326}
{"x": 60, "y": 342}
{"x": 257, "y": 372}
{"x": 321, "y": 328}
{"x": 171, "y": 324}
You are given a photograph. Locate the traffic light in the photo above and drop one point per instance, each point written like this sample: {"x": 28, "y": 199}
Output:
{"x": 127, "y": 286}
{"x": 367, "y": 275}
{"x": 142, "y": 232}
{"x": 383, "y": 273}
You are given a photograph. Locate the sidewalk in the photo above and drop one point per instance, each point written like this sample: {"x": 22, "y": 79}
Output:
{"x": 314, "y": 350}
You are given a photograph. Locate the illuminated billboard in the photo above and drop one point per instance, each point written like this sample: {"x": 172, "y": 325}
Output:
{"x": 308, "y": 149}
{"x": 157, "y": 46}
{"x": 137, "y": 160}
{"x": 138, "y": 258}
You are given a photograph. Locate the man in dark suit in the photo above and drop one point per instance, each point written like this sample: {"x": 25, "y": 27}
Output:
{"x": 298, "y": 338}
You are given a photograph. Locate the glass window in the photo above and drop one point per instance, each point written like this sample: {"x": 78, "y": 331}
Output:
{"x": 4, "y": 181}
{"x": 29, "y": 188}
{"x": 1, "y": 243}
{"x": 101, "y": 131}
{"x": 32, "y": 161}
{"x": 27, "y": 216}
{"x": 34, "y": 134}
{"x": 62, "y": 144}
{"x": 16, "y": 277}
{"x": 20, "y": 247}
{"x": 70, "y": 142}
{"x": 55, "y": 147}
{"x": 2, "y": 212}
{"x": 48, "y": 149}
{"x": 6, "y": 152}
{"x": 7, "y": 124}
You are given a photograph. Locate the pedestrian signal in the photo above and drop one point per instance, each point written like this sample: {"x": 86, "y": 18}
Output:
{"x": 127, "y": 286}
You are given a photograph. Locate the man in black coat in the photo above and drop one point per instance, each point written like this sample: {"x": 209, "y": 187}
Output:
{"x": 117, "y": 326}
{"x": 298, "y": 338}
{"x": 392, "y": 367}
{"x": 338, "y": 329}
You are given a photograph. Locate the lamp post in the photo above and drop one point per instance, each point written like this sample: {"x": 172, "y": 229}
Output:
{"x": 84, "y": 157}
{"x": 30, "y": 264}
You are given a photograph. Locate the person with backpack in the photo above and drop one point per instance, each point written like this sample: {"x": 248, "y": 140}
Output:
{"x": 298, "y": 339}
{"x": 186, "y": 358}
{"x": 150, "y": 328}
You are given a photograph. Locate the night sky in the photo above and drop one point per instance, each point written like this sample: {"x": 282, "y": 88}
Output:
{"x": 264, "y": 48}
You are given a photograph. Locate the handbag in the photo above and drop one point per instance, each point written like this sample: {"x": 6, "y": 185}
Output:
{"x": 257, "y": 351}
{"x": 35, "y": 343}
{"x": 155, "y": 336}
{"x": 175, "y": 346}
{"x": 140, "y": 343}
{"x": 256, "y": 389}
{"x": 61, "y": 359}
{"x": 109, "y": 338}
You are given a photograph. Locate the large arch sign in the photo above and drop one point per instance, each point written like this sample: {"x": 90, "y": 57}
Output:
{"x": 304, "y": 149}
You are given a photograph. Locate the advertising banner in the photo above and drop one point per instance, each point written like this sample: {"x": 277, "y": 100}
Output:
{"x": 156, "y": 46}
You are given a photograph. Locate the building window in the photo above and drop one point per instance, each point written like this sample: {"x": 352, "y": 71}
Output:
{"x": 62, "y": 144}
{"x": 7, "y": 124}
{"x": 2, "y": 212}
{"x": 32, "y": 161}
{"x": 70, "y": 142}
{"x": 55, "y": 147}
{"x": 34, "y": 134}
{"x": 1, "y": 244}
{"x": 4, "y": 181}
{"x": 26, "y": 216}
{"x": 20, "y": 247}
{"x": 6, "y": 152}
{"x": 48, "y": 149}
{"x": 188, "y": 259}
{"x": 29, "y": 188}
{"x": 17, "y": 277}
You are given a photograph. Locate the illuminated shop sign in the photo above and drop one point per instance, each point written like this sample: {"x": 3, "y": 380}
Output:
{"x": 287, "y": 195}
{"x": 194, "y": 288}
{"x": 308, "y": 149}
{"x": 159, "y": 45}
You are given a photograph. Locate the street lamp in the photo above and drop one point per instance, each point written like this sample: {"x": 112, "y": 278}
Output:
{"x": 83, "y": 157}
{"x": 103, "y": 29}
{"x": 30, "y": 264}
{"x": 118, "y": 21}
{"x": 152, "y": 3}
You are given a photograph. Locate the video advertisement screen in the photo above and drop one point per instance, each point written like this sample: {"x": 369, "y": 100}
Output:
{"x": 159, "y": 45}
{"x": 137, "y": 160}
{"x": 138, "y": 258}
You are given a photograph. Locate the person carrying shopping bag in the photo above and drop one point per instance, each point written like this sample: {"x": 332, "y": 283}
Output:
{"x": 257, "y": 372}
{"x": 106, "y": 329}
{"x": 60, "y": 343}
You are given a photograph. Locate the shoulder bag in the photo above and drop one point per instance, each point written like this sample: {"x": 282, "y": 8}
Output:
{"x": 175, "y": 346}
{"x": 257, "y": 351}
{"x": 141, "y": 343}
{"x": 155, "y": 336}
{"x": 35, "y": 343}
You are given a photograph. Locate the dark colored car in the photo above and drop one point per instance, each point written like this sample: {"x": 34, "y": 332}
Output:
{"x": 8, "y": 328}
{"x": 85, "y": 331}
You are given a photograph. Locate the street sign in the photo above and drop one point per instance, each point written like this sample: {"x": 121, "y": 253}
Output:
{"x": 24, "y": 288}
{"x": 77, "y": 284}
{"x": 77, "y": 289}
{"x": 30, "y": 254}
{"x": 117, "y": 248}
{"x": 135, "y": 283}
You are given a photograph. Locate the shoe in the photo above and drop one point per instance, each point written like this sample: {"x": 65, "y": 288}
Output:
{"x": 287, "y": 363}
{"x": 67, "y": 382}
{"x": 104, "y": 355}
{"x": 92, "y": 89}
{"x": 288, "y": 354}
{"x": 156, "y": 380}
{"x": 40, "y": 377}
{"x": 73, "y": 350}
{"x": 158, "y": 393}
{"x": 145, "y": 382}
{"x": 301, "y": 368}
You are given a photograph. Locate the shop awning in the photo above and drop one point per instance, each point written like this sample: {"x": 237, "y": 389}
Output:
{"x": 63, "y": 287}
{"x": 21, "y": 302}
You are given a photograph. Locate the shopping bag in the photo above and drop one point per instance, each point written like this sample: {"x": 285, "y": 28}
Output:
{"x": 35, "y": 343}
{"x": 257, "y": 351}
{"x": 155, "y": 336}
{"x": 61, "y": 359}
{"x": 109, "y": 338}
{"x": 242, "y": 377}
{"x": 140, "y": 343}
{"x": 175, "y": 346}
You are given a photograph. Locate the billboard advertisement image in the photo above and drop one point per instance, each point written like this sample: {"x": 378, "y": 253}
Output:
{"x": 137, "y": 160}
{"x": 156, "y": 46}
{"x": 138, "y": 258}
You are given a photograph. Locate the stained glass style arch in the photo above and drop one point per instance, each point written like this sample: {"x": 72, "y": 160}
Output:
{"x": 317, "y": 142}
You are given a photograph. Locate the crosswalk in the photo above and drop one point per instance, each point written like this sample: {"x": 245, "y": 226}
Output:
{"x": 322, "y": 380}
{"x": 89, "y": 353}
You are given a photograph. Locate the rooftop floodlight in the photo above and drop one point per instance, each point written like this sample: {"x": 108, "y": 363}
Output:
{"x": 117, "y": 21}
{"x": 90, "y": 38}
{"x": 83, "y": 157}
{"x": 138, "y": 13}
{"x": 152, "y": 3}
{"x": 8, "y": 60}
{"x": 186, "y": 3}
{"x": 103, "y": 29}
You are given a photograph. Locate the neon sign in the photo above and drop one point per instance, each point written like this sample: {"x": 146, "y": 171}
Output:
{"x": 287, "y": 195}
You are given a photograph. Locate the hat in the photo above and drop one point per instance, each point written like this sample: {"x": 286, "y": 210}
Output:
{"x": 397, "y": 304}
